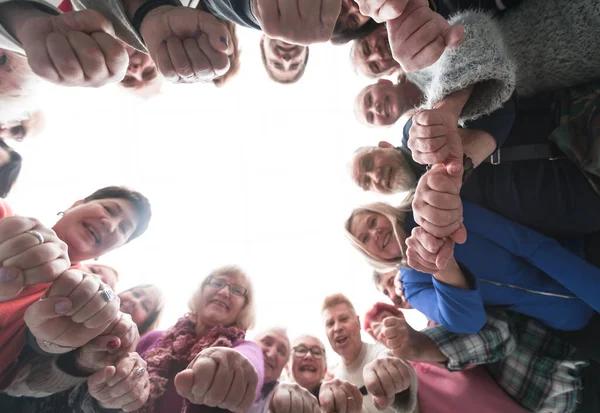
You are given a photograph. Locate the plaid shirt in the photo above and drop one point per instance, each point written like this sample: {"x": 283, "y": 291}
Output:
{"x": 532, "y": 365}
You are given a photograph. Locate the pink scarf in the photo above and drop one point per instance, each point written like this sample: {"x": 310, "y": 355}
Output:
{"x": 179, "y": 345}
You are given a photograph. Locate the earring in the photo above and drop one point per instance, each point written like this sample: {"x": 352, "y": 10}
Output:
{"x": 61, "y": 214}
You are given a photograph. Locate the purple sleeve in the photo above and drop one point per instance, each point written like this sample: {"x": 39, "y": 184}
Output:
{"x": 253, "y": 353}
{"x": 148, "y": 341}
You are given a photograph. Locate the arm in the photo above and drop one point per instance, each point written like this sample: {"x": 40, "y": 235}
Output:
{"x": 491, "y": 344}
{"x": 253, "y": 353}
{"x": 460, "y": 310}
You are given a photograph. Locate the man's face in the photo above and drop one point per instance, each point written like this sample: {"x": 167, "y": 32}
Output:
{"x": 379, "y": 104}
{"x": 391, "y": 287}
{"x": 308, "y": 362}
{"x": 342, "y": 327}
{"x": 276, "y": 352}
{"x": 350, "y": 17}
{"x": 284, "y": 60}
{"x": 372, "y": 55}
{"x": 382, "y": 170}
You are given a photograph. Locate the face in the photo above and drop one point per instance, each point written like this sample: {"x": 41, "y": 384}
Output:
{"x": 308, "y": 369}
{"x": 379, "y": 104}
{"x": 140, "y": 303}
{"x": 376, "y": 233}
{"x": 223, "y": 298}
{"x": 350, "y": 17}
{"x": 376, "y": 327}
{"x": 285, "y": 60}
{"x": 92, "y": 229}
{"x": 343, "y": 331}
{"x": 13, "y": 130}
{"x": 107, "y": 274}
{"x": 391, "y": 287}
{"x": 372, "y": 55}
{"x": 382, "y": 170}
{"x": 276, "y": 351}
{"x": 141, "y": 72}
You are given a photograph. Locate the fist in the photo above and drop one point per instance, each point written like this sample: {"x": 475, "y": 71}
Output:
{"x": 291, "y": 398}
{"x": 24, "y": 260}
{"x": 219, "y": 377}
{"x": 337, "y": 396}
{"x": 401, "y": 338}
{"x": 298, "y": 21}
{"x": 382, "y": 10}
{"x": 187, "y": 45}
{"x": 74, "y": 49}
{"x": 384, "y": 378}
{"x": 419, "y": 36}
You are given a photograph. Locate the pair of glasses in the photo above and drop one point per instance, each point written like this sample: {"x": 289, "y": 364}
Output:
{"x": 316, "y": 351}
{"x": 234, "y": 289}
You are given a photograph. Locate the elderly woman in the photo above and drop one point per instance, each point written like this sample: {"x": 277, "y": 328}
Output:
{"x": 501, "y": 264}
{"x": 203, "y": 359}
{"x": 309, "y": 363}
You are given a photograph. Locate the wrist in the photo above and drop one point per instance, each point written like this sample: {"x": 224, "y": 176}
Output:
{"x": 14, "y": 15}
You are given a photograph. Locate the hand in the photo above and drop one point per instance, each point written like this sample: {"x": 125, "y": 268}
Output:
{"x": 337, "y": 396}
{"x": 419, "y": 36}
{"x": 124, "y": 386}
{"x": 382, "y": 10}
{"x": 298, "y": 21}
{"x": 384, "y": 378}
{"x": 74, "y": 49}
{"x": 291, "y": 398}
{"x": 437, "y": 207}
{"x": 23, "y": 260}
{"x": 117, "y": 340}
{"x": 187, "y": 45}
{"x": 219, "y": 377}
{"x": 401, "y": 338}
{"x": 74, "y": 311}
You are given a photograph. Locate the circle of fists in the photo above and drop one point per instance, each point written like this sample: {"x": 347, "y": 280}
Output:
{"x": 187, "y": 45}
{"x": 23, "y": 260}
{"x": 384, "y": 378}
{"x": 298, "y": 21}
{"x": 73, "y": 312}
{"x": 219, "y": 377}
{"x": 337, "y": 396}
{"x": 74, "y": 49}
{"x": 291, "y": 398}
{"x": 124, "y": 385}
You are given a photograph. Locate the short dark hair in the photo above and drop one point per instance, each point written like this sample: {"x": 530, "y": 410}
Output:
{"x": 9, "y": 172}
{"x": 273, "y": 77}
{"x": 342, "y": 35}
{"x": 140, "y": 203}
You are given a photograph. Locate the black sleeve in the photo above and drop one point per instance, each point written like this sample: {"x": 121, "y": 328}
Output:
{"x": 498, "y": 123}
{"x": 236, "y": 11}
{"x": 406, "y": 133}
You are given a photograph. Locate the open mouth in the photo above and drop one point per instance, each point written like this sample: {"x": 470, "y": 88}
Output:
{"x": 307, "y": 367}
{"x": 341, "y": 341}
{"x": 93, "y": 233}
{"x": 386, "y": 240}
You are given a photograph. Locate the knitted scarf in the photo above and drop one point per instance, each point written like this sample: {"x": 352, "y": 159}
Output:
{"x": 179, "y": 345}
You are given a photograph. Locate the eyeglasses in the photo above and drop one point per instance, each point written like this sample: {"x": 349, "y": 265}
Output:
{"x": 316, "y": 351}
{"x": 234, "y": 289}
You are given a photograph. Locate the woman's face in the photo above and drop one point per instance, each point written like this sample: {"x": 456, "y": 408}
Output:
{"x": 222, "y": 299}
{"x": 140, "y": 303}
{"x": 92, "y": 229}
{"x": 376, "y": 233}
{"x": 107, "y": 275}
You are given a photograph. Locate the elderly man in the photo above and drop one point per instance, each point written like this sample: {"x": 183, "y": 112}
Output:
{"x": 371, "y": 55}
{"x": 279, "y": 397}
{"x": 284, "y": 62}
{"x": 389, "y": 381}
{"x": 389, "y": 284}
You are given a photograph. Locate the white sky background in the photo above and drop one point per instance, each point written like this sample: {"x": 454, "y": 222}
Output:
{"x": 254, "y": 174}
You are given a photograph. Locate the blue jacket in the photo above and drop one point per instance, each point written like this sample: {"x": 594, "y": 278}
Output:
{"x": 510, "y": 266}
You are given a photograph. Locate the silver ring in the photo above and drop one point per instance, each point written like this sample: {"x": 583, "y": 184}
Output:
{"x": 107, "y": 294}
{"x": 140, "y": 371}
{"x": 350, "y": 398}
{"x": 39, "y": 236}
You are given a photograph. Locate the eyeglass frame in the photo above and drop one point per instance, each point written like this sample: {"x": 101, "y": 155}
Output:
{"x": 310, "y": 349}
{"x": 228, "y": 285}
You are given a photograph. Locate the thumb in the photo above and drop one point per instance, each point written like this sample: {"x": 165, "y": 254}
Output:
{"x": 381, "y": 402}
{"x": 445, "y": 253}
{"x": 454, "y": 36}
{"x": 218, "y": 34}
{"x": 12, "y": 282}
{"x": 42, "y": 311}
{"x": 454, "y": 168}
{"x": 99, "y": 379}
{"x": 183, "y": 382}
{"x": 460, "y": 235}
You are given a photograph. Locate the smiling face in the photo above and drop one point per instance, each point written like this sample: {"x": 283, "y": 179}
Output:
{"x": 308, "y": 369}
{"x": 275, "y": 346}
{"x": 107, "y": 275}
{"x": 376, "y": 233}
{"x": 140, "y": 303}
{"x": 342, "y": 327}
{"x": 391, "y": 287}
{"x": 93, "y": 228}
{"x": 382, "y": 169}
{"x": 284, "y": 61}
{"x": 379, "y": 104}
{"x": 142, "y": 77}
{"x": 350, "y": 17}
{"x": 372, "y": 55}
{"x": 222, "y": 299}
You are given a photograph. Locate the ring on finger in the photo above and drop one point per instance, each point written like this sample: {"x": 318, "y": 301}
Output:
{"x": 38, "y": 235}
{"x": 107, "y": 294}
{"x": 140, "y": 371}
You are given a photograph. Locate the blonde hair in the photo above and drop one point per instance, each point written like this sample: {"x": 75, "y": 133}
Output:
{"x": 336, "y": 299}
{"x": 396, "y": 215}
{"x": 247, "y": 316}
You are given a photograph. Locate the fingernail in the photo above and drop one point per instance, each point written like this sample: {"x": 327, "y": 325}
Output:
{"x": 62, "y": 307}
{"x": 112, "y": 345}
{"x": 224, "y": 40}
{"x": 8, "y": 274}
{"x": 443, "y": 263}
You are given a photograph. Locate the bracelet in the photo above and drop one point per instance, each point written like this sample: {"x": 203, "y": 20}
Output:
{"x": 468, "y": 167}
{"x": 146, "y": 8}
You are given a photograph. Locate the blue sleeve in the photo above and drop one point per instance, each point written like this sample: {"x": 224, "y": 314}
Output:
{"x": 546, "y": 254}
{"x": 498, "y": 123}
{"x": 460, "y": 311}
